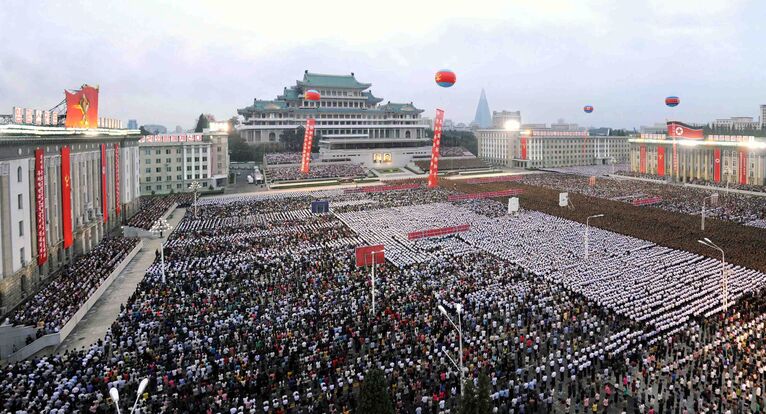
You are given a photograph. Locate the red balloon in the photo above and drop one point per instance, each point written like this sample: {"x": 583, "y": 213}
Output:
{"x": 311, "y": 95}
{"x": 445, "y": 78}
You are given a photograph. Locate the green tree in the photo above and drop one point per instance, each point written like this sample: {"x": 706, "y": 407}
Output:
{"x": 483, "y": 402}
{"x": 374, "y": 397}
{"x": 145, "y": 131}
{"x": 202, "y": 123}
{"x": 468, "y": 401}
{"x": 292, "y": 140}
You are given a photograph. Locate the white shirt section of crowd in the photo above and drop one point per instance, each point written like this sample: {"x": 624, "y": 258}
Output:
{"x": 265, "y": 311}
{"x": 740, "y": 208}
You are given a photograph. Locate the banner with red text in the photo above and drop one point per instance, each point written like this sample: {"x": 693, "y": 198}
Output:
{"x": 66, "y": 197}
{"x": 642, "y": 159}
{"x": 104, "y": 208}
{"x": 717, "y": 165}
{"x": 433, "y": 178}
{"x": 307, "y": 138}
{"x": 661, "y": 161}
{"x": 742, "y": 167}
{"x": 42, "y": 242}
{"x": 675, "y": 158}
{"x": 117, "y": 207}
{"x": 441, "y": 231}
{"x": 523, "y": 148}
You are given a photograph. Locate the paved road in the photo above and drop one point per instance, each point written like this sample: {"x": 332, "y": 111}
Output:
{"x": 104, "y": 312}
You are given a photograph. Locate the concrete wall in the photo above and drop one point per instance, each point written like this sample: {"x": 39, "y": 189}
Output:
{"x": 16, "y": 335}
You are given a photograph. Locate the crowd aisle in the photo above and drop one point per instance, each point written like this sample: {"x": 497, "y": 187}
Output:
{"x": 263, "y": 310}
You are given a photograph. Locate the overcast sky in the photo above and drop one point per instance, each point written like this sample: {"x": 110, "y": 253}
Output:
{"x": 166, "y": 62}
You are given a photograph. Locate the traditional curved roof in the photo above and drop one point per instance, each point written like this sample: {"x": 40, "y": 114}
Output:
{"x": 371, "y": 99}
{"x": 319, "y": 80}
{"x": 400, "y": 107}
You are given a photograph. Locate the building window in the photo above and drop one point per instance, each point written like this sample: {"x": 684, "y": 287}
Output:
{"x": 167, "y": 151}
{"x": 178, "y": 168}
{"x": 148, "y": 170}
{"x": 148, "y": 161}
{"x": 158, "y": 152}
{"x": 148, "y": 188}
{"x": 158, "y": 169}
{"x": 204, "y": 184}
{"x": 167, "y": 160}
{"x": 20, "y": 199}
{"x": 21, "y": 228}
{"x": 178, "y": 185}
{"x": 158, "y": 186}
{"x": 23, "y": 256}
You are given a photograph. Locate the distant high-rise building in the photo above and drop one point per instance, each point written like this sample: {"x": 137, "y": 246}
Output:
{"x": 763, "y": 116}
{"x": 500, "y": 119}
{"x": 156, "y": 129}
{"x": 132, "y": 124}
{"x": 483, "y": 119}
{"x": 179, "y": 129}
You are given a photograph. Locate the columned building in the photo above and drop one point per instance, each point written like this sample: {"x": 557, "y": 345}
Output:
{"x": 351, "y": 123}
{"x": 497, "y": 145}
{"x": 714, "y": 158}
{"x": 103, "y": 190}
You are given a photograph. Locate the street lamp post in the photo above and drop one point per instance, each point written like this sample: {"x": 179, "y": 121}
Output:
{"x": 711, "y": 197}
{"x": 724, "y": 277}
{"x": 587, "y": 233}
{"x": 459, "y": 327}
{"x": 161, "y": 226}
{"x": 115, "y": 394}
{"x": 195, "y": 186}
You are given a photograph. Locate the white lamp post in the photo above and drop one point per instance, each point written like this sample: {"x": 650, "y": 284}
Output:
{"x": 161, "y": 226}
{"x": 115, "y": 397}
{"x": 115, "y": 394}
{"x": 195, "y": 186}
{"x": 711, "y": 197}
{"x": 724, "y": 277}
{"x": 459, "y": 327}
{"x": 587, "y": 233}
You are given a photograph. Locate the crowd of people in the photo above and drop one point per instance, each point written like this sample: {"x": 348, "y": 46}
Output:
{"x": 51, "y": 308}
{"x": 263, "y": 309}
{"x": 154, "y": 207}
{"x": 446, "y": 164}
{"x": 278, "y": 158}
{"x": 740, "y": 208}
{"x": 317, "y": 171}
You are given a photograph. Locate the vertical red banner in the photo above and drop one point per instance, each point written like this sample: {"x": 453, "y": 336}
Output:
{"x": 117, "y": 207}
{"x": 717, "y": 165}
{"x": 523, "y": 148}
{"x": 742, "y": 167}
{"x": 675, "y": 158}
{"x": 661, "y": 161}
{"x": 642, "y": 159}
{"x": 433, "y": 178}
{"x": 66, "y": 196}
{"x": 42, "y": 242}
{"x": 104, "y": 208}
{"x": 307, "y": 138}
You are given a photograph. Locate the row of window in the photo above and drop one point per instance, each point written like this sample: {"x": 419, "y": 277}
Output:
{"x": 178, "y": 177}
{"x": 148, "y": 151}
{"x": 178, "y": 159}
{"x": 179, "y": 186}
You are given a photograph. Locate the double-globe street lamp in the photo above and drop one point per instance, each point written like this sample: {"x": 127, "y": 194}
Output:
{"x": 160, "y": 227}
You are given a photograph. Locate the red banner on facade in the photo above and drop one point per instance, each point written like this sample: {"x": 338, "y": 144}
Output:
{"x": 382, "y": 188}
{"x": 308, "y": 137}
{"x": 66, "y": 197}
{"x": 117, "y": 202}
{"x": 646, "y": 201}
{"x": 82, "y": 107}
{"x": 717, "y": 165}
{"x": 104, "y": 208}
{"x": 369, "y": 255}
{"x": 661, "y": 161}
{"x": 642, "y": 159}
{"x": 433, "y": 178}
{"x": 675, "y": 158}
{"x": 523, "y": 148}
{"x": 42, "y": 242}
{"x": 742, "y": 167}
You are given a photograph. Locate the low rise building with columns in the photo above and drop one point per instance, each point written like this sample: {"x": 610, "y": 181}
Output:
{"x": 102, "y": 188}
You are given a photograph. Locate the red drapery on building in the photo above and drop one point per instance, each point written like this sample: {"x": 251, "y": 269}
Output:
{"x": 717, "y": 165}
{"x": 742, "y": 167}
{"x": 523, "y": 148}
{"x": 675, "y": 158}
{"x": 661, "y": 161}
{"x": 117, "y": 202}
{"x": 642, "y": 159}
{"x": 66, "y": 197}
{"x": 434, "y": 167}
{"x": 42, "y": 242}
{"x": 308, "y": 137}
{"x": 104, "y": 205}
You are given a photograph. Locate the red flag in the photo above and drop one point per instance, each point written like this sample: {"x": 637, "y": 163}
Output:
{"x": 661, "y": 161}
{"x": 717, "y": 166}
{"x": 104, "y": 208}
{"x": 642, "y": 159}
{"x": 42, "y": 244}
{"x": 66, "y": 197}
{"x": 742, "y": 167}
{"x": 307, "y": 139}
{"x": 523, "y": 148}
{"x": 681, "y": 130}
{"x": 433, "y": 178}
{"x": 367, "y": 255}
{"x": 675, "y": 158}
